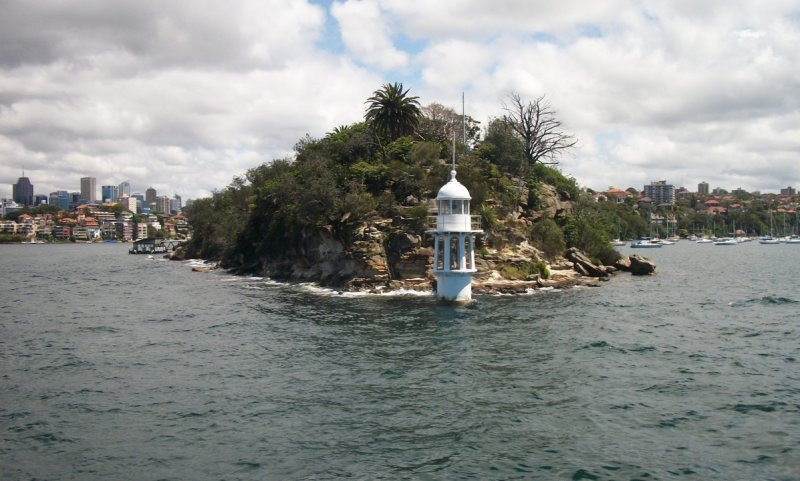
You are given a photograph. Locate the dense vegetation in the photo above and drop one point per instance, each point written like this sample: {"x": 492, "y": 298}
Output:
{"x": 387, "y": 167}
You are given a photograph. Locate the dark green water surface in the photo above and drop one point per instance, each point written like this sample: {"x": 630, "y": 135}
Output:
{"x": 119, "y": 367}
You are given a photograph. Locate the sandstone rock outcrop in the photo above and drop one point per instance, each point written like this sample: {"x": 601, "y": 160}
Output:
{"x": 584, "y": 265}
{"x": 642, "y": 266}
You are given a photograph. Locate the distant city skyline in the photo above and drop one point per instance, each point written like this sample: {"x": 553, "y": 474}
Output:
{"x": 83, "y": 185}
{"x": 150, "y": 194}
{"x": 123, "y": 187}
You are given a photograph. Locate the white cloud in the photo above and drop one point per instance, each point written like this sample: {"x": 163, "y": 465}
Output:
{"x": 366, "y": 33}
{"x": 201, "y": 33}
{"x": 185, "y": 126}
{"x": 479, "y": 20}
{"x": 184, "y": 95}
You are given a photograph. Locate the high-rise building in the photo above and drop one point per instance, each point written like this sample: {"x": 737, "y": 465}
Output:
{"x": 60, "y": 199}
{"x": 162, "y": 204}
{"x": 702, "y": 188}
{"x": 110, "y": 193}
{"x": 789, "y": 191}
{"x": 129, "y": 203}
{"x": 89, "y": 189}
{"x": 175, "y": 204}
{"x": 23, "y": 191}
{"x": 150, "y": 197}
{"x": 140, "y": 204}
{"x": 660, "y": 192}
{"x": 124, "y": 189}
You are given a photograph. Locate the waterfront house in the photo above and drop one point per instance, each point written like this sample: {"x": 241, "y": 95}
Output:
{"x": 8, "y": 227}
{"x": 62, "y": 231}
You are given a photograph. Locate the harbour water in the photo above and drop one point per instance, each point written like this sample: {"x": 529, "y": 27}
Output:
{"x": 120, "y": 367}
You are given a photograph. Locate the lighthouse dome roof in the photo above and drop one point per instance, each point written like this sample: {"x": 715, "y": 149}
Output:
{"x": 453, "y": 189}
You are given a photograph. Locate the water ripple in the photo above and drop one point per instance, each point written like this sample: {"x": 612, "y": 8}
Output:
{"x": 209, "y": 376}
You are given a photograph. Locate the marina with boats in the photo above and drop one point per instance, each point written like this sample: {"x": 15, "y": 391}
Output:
{"x": 650, "y": 243}
{"x": 730, "y": 237}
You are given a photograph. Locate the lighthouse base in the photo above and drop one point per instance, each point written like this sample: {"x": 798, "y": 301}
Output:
{"x": 454, "y": 287}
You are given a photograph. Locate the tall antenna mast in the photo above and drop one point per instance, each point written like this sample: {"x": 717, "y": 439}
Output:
{"x": 464, "y": 121}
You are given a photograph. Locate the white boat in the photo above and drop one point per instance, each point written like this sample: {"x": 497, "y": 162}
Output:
{"x": 644, "y": 244}
{"x": 617, "y": 242}
{"x": 726, "y": 241}
{"x": 704, "y": 240}
{"x": 768, "y": 239}
{"x": 792, "y": 240}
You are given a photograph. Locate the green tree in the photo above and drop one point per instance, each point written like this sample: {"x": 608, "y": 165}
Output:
{"x": 502, "y": 147}
{"x": 547, "y": 236}
{"x": 348, "y": 144}
{"x": 392, "y": 112}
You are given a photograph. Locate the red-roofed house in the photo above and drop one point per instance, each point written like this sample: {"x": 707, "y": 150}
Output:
{"x": 617, "y": 195}
{"x": 717, "y": 210}
{"x": 89, "y": 222}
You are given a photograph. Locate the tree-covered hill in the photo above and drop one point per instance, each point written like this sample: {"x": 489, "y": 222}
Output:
{"x": 359, "y": 191}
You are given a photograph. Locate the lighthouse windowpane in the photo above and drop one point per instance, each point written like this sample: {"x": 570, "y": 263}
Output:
{"x": 444, "y": 207}
{"x": 454, "y": 254}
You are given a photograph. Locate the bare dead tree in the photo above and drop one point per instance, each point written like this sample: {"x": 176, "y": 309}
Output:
{"x": 536, "y": 124}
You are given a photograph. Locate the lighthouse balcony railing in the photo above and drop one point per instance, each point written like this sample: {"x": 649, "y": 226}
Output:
{"x": 454, "y": 223}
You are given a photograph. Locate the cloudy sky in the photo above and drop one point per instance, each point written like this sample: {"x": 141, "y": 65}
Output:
{"x": 183, "y": 95}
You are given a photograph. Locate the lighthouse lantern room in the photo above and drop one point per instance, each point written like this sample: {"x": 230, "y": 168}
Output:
{"x": 454, "y": 235}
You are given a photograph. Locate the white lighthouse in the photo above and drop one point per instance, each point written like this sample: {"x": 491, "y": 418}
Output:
{"x": 454, "y": 242}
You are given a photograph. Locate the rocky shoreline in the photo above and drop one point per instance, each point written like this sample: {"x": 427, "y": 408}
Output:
{"x": 385, "y": 254}
{"x": 575, "y": 270}
{"x": 402, "y": 262}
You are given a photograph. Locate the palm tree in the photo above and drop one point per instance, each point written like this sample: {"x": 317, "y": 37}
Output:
{"x": 339, "y": 131}
{"x": 392, "y": 112}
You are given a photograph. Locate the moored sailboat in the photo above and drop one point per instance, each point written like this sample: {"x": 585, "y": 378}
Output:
{"x": 768, "y": 239}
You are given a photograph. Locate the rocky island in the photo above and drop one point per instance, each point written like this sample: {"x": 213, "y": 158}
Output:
{"x": 350, "y": 210}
